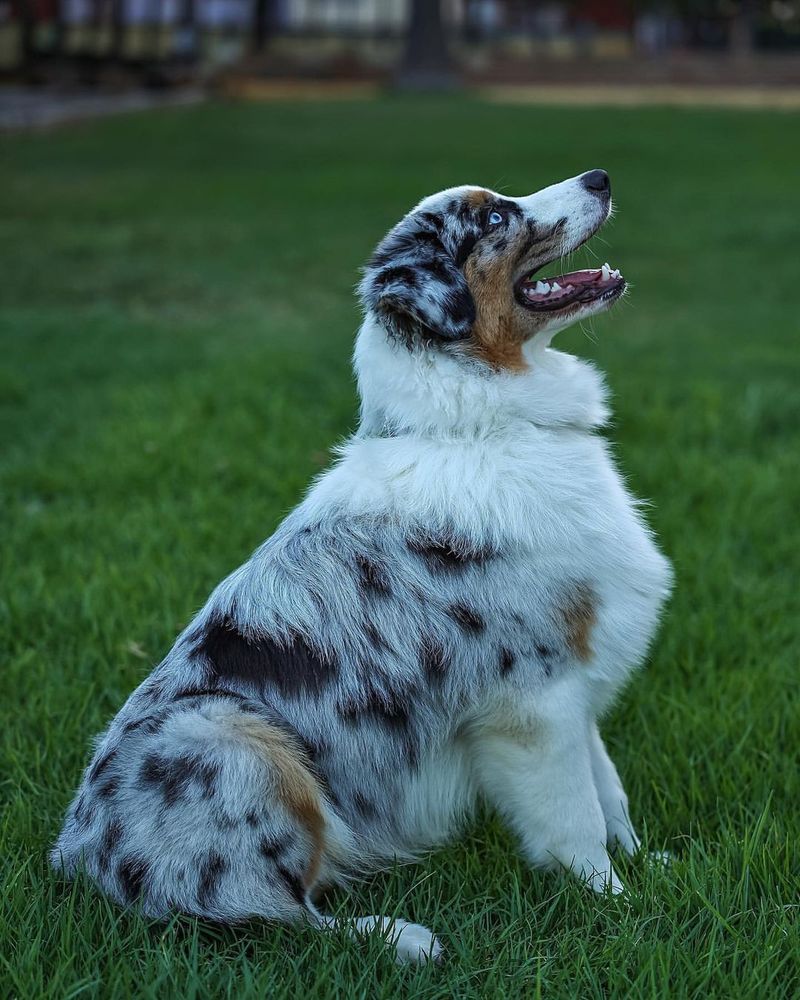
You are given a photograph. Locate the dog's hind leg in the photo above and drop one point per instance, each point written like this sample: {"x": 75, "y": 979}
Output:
{"x": 412, "y": 943}
{"x": 214, "y": 812}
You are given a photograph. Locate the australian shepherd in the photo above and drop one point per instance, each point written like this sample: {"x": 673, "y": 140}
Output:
{"x": 443, "y": 619}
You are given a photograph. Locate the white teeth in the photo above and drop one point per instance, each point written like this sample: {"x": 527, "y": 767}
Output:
{"x": 615, "y": 273}
{"x": 542, "y": 287}
{"x": 605, "y": 272}
{"x": 555, "y": 287}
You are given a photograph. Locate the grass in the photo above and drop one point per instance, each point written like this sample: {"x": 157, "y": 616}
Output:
{"x": 176, "y": 321}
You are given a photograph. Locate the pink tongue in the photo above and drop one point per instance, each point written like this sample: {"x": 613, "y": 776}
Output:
{"x": 578, "y": 278}
{"x": 574, "y": 278}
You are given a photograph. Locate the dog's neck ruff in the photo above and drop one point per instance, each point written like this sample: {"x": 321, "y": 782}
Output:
{"x": 414, "y": 391}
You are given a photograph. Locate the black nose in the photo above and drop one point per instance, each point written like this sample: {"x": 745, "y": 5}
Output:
{"x": 597, "y": 181}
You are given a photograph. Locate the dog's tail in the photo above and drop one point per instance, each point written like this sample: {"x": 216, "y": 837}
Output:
{"x": 412, "y": 943}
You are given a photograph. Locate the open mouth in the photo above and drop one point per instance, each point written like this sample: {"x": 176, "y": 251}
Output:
{"x": 575, "y": 288}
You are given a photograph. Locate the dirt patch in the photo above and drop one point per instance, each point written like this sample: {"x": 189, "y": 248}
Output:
{"x": 617, "y": 95}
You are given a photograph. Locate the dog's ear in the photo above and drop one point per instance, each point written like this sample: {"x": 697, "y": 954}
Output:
{"x": 414, "y": 285}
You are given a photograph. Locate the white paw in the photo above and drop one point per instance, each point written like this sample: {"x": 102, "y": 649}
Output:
{"x": 622, "y": 838}
{"x": 414, "y": 943}
{"x": 659, "y": 859}
{"x": 603, "y": 879}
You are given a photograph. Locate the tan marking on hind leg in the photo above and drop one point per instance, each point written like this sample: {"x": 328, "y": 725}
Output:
{"x": 298, "y": 789}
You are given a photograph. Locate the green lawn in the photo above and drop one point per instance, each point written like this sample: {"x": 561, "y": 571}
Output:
{"x": 177, "y": 316}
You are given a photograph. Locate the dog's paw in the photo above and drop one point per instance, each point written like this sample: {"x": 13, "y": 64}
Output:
{"x": 605, "y": 880}
{"x": 621, "y": 839}
{"x": 414, "y": 944}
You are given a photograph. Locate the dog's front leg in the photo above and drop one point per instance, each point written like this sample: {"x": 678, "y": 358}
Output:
{"x": 539, "y": 776}
{"x": 620, "y": 834}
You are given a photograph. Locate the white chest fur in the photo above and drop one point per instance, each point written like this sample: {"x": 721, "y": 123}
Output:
{"x": 507, "y": 461}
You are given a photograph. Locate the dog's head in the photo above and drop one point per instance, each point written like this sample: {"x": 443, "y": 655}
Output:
{"x": 460, "y": 272}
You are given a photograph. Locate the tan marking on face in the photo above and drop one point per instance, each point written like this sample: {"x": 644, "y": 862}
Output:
{"x": 298, "y": 789}
{"x": 497, "y": 334}
{"x": 579, "y": 616}
{"x": 477, "y": 197}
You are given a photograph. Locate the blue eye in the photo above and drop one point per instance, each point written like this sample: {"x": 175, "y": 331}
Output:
{"x": 495, "y": 218}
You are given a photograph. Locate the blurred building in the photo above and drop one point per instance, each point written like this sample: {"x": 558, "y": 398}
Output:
{"x": 506, "y": 38}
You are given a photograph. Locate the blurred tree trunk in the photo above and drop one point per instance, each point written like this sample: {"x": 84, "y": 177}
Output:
{"x": 264, "y": 21}
{"x": 742, "y": 29}
{"x": 27, "y": 24}
{"x": 117, "y": 30}
{"x": 426, "y": 63}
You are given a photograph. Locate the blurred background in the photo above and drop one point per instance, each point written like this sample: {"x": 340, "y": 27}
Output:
{"x": 176, "y": 323}
{"x": 238, "y": 45}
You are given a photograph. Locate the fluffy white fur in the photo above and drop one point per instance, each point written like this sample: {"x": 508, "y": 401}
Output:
{"x": 514, "y": 458}
{"x": 396, "y": 649}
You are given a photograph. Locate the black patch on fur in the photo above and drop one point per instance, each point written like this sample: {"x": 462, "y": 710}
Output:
{"x": 432, "y": 219}
{"x": 375, "y": 639}
{"x": 445, "y": 554}
{"x": 212, "y": 869}
{"x": 373, "y": 577}
{"x": 507, "y": 661}
{"x": 133, "y": 873}
{"x": 84, "y": 812}
{"x": 223, "y": 821}
{"x": 427, "y": 239}
{"x": 101, "y": 764}
{"x": 407, "y": 240}
{"x": 438, "y": 269}
{"x": 546, "y": 655}
{"x": 154, "y": 691}
{"x": 465, "y": 248}
{"x": 251, "y": 818}
{"x": 111, "y": 839}
{"x": 149, "y": 725}
{"x": 271, "y": 847}
{"x": 314, "y": 750}
{"x": 433, "y": 660}
{"x": 365, "y": 807}
{"x": 461, "y": 305}
{"x": 389, "y": 709}
{"x": 294, "y": 668}
{"x": 109, "y": 788}
{"x": 467, "y": 618}
{"x": 293, "y": 883}
{"x": 401, "y": 272}
{"x": 173, "y": 776}
{"x": 501, "y": 245}
{"x": 462, "y": 210}
{"x": 511, "y": 208}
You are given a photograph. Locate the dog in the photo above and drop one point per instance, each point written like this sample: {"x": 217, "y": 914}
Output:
{"x": 443, "y": 619}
